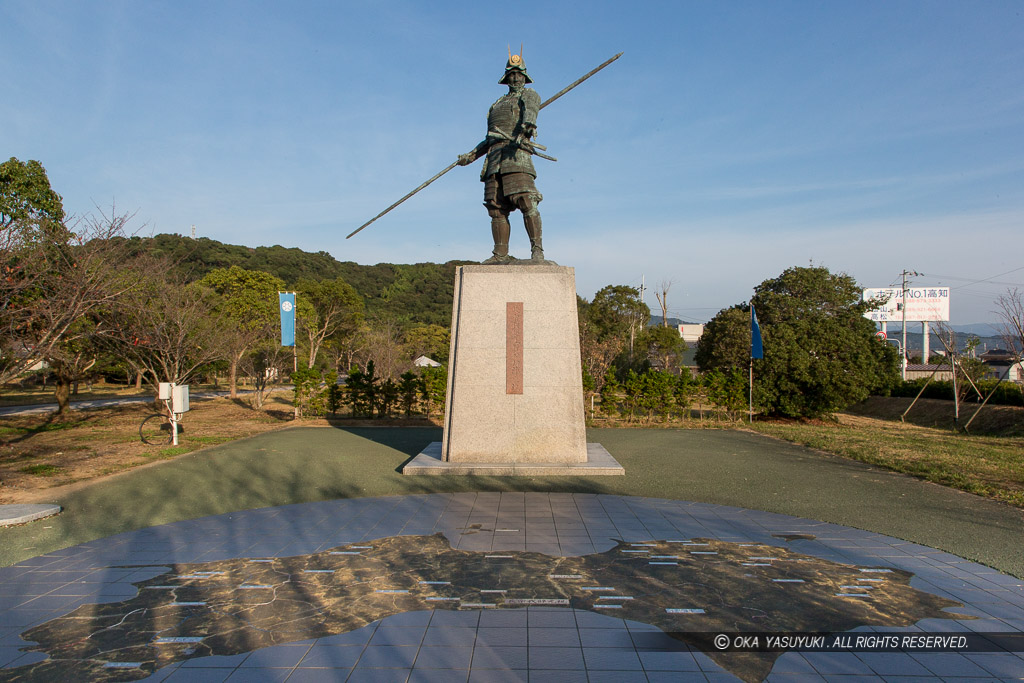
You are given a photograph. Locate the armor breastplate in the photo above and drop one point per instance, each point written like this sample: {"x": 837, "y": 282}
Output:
{"x": 504, "y": 114}
{"x": 507, "y": 116}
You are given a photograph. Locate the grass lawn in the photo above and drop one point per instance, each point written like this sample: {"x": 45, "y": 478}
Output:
{"x": 989, "y": 466}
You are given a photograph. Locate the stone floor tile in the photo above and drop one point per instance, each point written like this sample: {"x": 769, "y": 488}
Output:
{"x": 499, "y": 657}
{"x": 396, "y": 675}
{"x": 554, "y": 637}
{"x": 438, "y": 676}
{"x": 611, "y": 659}
{"x": 499, "y": 675}
{"x": 387, "y": 657}
{"x": 397, "y": 635}
{"x": 318, "y": 675}
{"x": 444, "y": 657}
{"x": 516, "y": 636}
{"x": 275, "y": 657}
{"x": 197, "y": 675}
{"x": 331, "y": 657}
{"x": 450, "y": 636}
{"x": 543, "y": 658}
{"x": 557, "y": 676}
{"x": 893, "y": 664}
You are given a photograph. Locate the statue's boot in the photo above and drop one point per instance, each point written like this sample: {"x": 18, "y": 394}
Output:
{"x": 500, "y": 230}
{"x": 533, "y": 229}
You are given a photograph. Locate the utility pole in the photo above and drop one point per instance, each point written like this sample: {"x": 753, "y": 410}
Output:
{"x": 903, "y": 364}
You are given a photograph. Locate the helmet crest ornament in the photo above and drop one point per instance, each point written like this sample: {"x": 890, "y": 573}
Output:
{"x": 515, "y": 64}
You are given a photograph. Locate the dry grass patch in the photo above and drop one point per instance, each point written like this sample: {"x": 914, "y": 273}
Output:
{"x": 990, "y": 466}
{"x": 40, "y": 452}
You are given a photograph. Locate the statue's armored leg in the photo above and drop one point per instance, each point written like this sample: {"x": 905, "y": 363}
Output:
{"x": 531, "y": 218}
{"x": 500, "y": 230}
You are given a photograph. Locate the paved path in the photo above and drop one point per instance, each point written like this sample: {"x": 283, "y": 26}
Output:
{"x": 86, "y": 404}
{"x": 725, "y": 486}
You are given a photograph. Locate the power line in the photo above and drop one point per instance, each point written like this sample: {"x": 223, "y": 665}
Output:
{"x": 990, "y": 280}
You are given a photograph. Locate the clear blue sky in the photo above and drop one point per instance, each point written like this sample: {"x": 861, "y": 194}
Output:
{"x": 731, "y": 141}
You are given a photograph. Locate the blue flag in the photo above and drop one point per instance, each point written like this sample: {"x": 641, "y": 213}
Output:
{"x": 287, "y": 306}
{"x": 756, "y": 346}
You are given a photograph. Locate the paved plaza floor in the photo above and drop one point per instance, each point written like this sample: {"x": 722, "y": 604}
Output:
{"x": 534, "y": 587}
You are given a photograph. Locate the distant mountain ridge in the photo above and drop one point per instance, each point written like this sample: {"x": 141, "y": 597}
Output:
{"x": 673, "y": 322}
{"x": 977, "y": 329}
{"x": 410, "y": 293}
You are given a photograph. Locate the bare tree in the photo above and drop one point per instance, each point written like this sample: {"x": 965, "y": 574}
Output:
{"x": 52, "y": 286}
{"x": 164, "y": 325}
{"x": 1011, "y": 310}
{"x": 349, "y": 350}
{"x": 264, "y": 365}
{"x": 386, "y": 348}
{"x": 662, "y": 295}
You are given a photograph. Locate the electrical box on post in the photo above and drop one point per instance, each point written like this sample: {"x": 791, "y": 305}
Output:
{"x": 179, "y": 399}
{"x": 163, "y": 391}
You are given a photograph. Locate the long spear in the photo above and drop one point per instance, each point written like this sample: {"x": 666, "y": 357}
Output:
{"x": 454, "y": 163}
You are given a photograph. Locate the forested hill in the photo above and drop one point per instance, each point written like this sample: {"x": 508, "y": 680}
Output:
{"x": 415, "y": 293}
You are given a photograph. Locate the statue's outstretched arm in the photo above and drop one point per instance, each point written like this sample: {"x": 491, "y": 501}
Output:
{"x": 475, "y": 153}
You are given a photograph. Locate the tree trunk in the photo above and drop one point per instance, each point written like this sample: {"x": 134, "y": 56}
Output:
{"x": 138, "y": 381}
{"x": 234, "y": 376}
{"x": 63, "y": 394}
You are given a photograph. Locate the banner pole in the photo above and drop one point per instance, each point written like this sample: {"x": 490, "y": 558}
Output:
{"x": 751, "y": 392}
{"x": 295, "y": 358}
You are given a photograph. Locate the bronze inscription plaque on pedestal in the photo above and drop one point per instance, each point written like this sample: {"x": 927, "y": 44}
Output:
{"x": 514, "y": 347}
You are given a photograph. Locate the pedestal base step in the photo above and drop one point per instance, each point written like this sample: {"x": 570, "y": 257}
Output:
{"x": 599, "y": 462}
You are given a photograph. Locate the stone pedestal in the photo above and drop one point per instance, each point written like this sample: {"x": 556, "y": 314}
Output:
{"x": 515, "y": 400}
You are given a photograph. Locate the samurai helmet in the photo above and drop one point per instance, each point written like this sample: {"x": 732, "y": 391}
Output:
{"x": 515, "y": 63}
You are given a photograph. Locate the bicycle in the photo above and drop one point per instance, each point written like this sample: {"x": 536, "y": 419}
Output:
{"x": 155, "y": 429}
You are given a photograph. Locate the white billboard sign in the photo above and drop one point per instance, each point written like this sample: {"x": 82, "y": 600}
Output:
{"x": 923, "y": 304}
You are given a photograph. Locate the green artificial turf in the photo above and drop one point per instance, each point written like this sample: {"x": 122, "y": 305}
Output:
{"x": 710, "y": 466}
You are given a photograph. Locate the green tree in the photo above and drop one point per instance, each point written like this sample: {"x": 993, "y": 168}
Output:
{"x": 313, "y": 395}
{"x": 725, "y": 343}
{"x": 248, "y": 308}
{"x": 727, "y": 389}
{"x": 433, "y": 385}
{"x": 432, "y": 341}
{"x": 610, "y": 393}
{"x": 363, "y": 387}
{"x": 26, "y": 195}
{"x": 820, "y": 352}
{"x": 408, "y": 388}
{"x": 617, "y": 311}
{"x": 609, "y": 327}
{"x": 665, "y": 347}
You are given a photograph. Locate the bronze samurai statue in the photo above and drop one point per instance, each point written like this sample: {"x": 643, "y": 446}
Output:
{"x": 508, "y": 174}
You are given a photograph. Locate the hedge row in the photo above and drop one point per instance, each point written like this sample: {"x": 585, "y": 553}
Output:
{"x": 1007, "y": 393}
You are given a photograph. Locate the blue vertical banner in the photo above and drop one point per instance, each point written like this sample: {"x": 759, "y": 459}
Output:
{"x": 756, "y": 345}
{"x": 287, "y": 307}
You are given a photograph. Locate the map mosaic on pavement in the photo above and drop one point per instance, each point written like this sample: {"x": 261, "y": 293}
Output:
{"x": 685, "y": 587}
